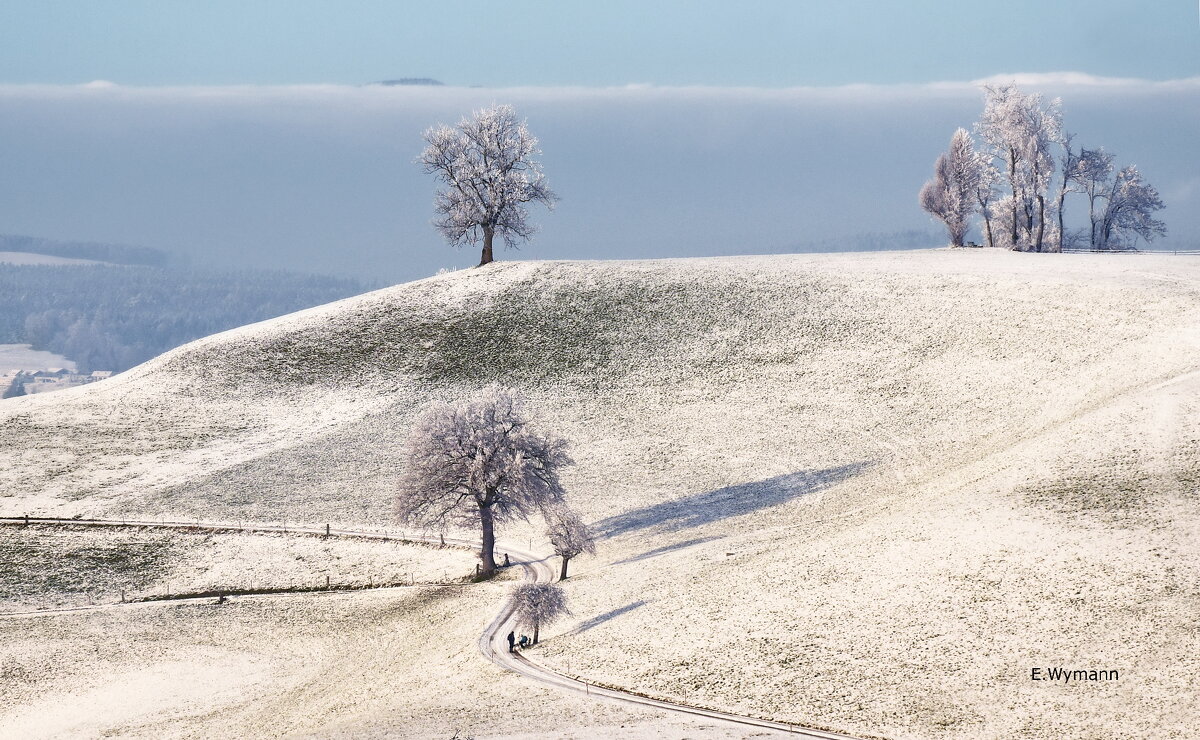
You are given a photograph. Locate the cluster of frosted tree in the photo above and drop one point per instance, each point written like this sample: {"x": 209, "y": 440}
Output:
{"x": 483, "y": 462}
{"x": 1017, "y": 181}
{"x": 487, "y": 166}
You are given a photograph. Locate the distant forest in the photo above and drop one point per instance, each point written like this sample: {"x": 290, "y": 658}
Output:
{"x": 112, "y": 317}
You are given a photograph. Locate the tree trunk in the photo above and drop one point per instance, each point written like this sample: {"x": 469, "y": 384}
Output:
{"x": 488, "y": 233}
{"x": 1062, "y": 232}
{"x": 1041, "y": 221}
{"x": 487, "y": 551}
{"x": 1012, "y": 183}
{"x": 563, "y": 575}
{"x": 987, "y": 219}
{"x": 958, "y": 234}
{"x": 535, "y": 633}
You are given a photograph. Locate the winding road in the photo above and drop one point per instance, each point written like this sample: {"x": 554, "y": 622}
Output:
{"x": 492, "y": 642}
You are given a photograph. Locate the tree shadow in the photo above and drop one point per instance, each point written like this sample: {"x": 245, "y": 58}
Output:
{"x": 667, "y": 548}
{"x": 724, "y": 503}
{"x": 587, "y": 624}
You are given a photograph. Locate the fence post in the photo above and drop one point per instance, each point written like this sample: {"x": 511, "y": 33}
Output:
{"x": 326, "y": 581}
{"x": 26, "y": 520}
{"x": 326, "y": 529}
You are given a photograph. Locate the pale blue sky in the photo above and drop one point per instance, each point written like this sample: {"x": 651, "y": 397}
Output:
{"x": 616, "y": 42}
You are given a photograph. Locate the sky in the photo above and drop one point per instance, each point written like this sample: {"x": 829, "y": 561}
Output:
{"x": 772, "y": 43}
{"x": 242, "y": 134}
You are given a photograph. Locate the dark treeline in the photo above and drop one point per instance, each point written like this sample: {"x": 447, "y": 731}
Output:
{"x": 112, "y": 317}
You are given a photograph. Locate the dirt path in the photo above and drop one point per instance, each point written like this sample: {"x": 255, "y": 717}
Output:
{"x": 492, "y": 643}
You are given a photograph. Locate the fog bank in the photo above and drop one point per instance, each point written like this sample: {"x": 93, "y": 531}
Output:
{"x": 321, "y": 178}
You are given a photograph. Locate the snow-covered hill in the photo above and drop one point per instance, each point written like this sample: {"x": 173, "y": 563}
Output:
{"x": 863, "y": 491}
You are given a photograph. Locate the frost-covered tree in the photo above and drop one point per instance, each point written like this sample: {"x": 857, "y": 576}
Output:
{"x": 538, "y": 605}
{"x": 1093, "y": 173}
{"x": 1072, "y": 169}
{"x": 1128, "y": 213}
{"x": 487, "y": 166}
{"x": 568, "y": 535}
{"x": 478, "y": 463}
{"x": 1020, "y": 131}
{"x": 986, "y": 195}
{"x": 952, "y": 195}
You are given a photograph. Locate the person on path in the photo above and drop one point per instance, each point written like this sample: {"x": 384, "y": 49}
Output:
{"x": 506, "y": 563}
{"x": 512, "y": 638}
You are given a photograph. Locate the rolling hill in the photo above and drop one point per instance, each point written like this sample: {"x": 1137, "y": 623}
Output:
{"x": 869, "y": 492}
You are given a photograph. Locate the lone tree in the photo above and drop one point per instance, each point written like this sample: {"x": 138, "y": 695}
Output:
{"x": 478, "y": 463}
{"x": 956, "y": 190}
{"x": 487, "y": 165}
{"x": 539, "y": 604}
{"x": 568, "y": 535}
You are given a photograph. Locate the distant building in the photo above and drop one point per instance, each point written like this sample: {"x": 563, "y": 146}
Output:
{"x": 20, "y": 383}
{"x": 52, "y": 372}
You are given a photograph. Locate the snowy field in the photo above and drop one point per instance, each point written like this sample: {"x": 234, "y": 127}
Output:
{"x": 52, "y": 566}
{"x": 868, "y": 492}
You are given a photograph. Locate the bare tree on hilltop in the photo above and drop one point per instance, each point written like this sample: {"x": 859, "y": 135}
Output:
{"x": 953, "y": 195}
{"x": 568, "y": 535}
{"x": 479, "y": 463}
{"x": 487, "y": 164}
{"x": 1130, "y": 203}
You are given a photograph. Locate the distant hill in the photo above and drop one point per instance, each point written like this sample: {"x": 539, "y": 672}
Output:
{"x": 863, "y": 491}
{"x": 120, "y": 254}
{"x": 409, "y": 81}
{"x": 33, "y": 258}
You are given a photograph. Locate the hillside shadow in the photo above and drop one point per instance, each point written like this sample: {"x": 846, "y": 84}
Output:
{"x": 587, "y": 624}
{"x": 724, "y": 503}
{"x": 666, "y": 549}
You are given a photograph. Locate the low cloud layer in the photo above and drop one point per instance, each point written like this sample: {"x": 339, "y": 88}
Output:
{"x": 321, "y": 177}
